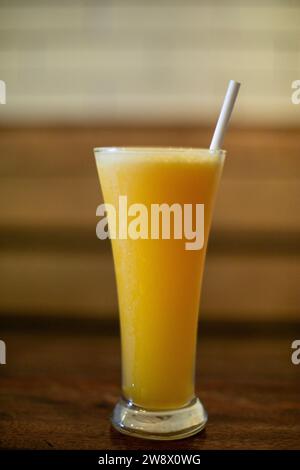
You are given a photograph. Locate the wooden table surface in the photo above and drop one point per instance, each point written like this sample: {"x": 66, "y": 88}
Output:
{"x": 58, "y": 389}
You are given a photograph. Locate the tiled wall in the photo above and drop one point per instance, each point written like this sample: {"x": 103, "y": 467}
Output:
{"x": 155, "y": 60}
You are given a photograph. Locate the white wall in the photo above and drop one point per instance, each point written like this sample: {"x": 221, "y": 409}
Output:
{"x": 162, "y": 60}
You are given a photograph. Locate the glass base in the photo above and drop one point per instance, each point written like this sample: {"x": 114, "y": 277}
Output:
{"x": 159, "y": 425}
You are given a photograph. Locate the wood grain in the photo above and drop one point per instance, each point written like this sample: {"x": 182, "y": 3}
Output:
{"x": 254, "y": 287}
{"x": 70, "y": 203}
{"x": 57, "y": 392}
{"x": 64, "y": 151}
{"x": 49, "y": 179}
{"x": 52, "y": 262}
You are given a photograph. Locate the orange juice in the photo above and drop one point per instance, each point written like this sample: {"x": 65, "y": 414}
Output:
{"x": 158, "y": 280}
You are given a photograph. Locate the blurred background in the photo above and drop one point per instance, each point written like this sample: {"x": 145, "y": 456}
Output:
{"x": 92, "y": 73}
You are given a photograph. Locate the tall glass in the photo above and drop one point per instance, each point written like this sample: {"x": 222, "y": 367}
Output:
{"x": 159, "y": 285}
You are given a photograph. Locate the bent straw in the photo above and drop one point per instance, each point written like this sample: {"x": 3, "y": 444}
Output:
{"x": 229, "y": 100}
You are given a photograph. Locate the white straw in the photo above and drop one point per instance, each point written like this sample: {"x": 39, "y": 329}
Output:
{"x": 229, "y": 100}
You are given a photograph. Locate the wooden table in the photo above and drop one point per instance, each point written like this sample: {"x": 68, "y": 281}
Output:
{"x": 58, "y": 389}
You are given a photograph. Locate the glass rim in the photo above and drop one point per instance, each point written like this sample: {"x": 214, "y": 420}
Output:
{"x": 154, "y": 150}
